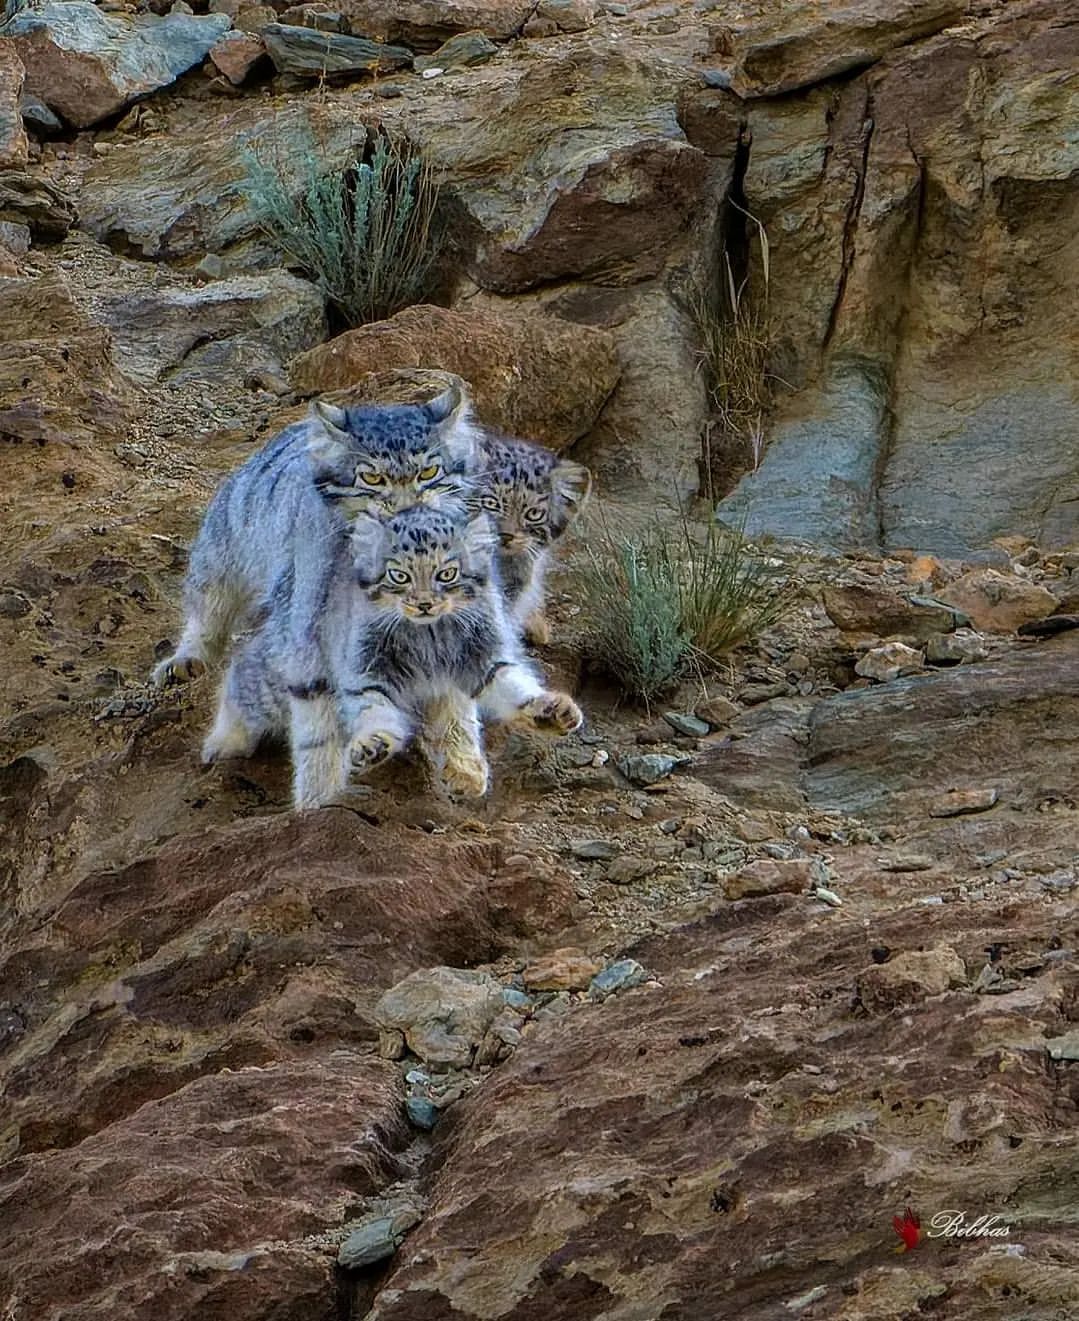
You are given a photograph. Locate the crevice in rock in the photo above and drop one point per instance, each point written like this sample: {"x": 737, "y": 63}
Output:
{"x": 850, "y": 222}
{"x": 734, "y": 237}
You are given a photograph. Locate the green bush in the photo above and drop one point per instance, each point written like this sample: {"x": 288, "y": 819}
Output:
{"x": 675, "y": 600}
{"x": 368, "y": 234}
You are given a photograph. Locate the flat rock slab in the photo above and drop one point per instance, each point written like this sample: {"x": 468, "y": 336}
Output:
{"x": 311, "y": 54}
{"x": 423, "y": 24}
{"x": 85, "y": 64}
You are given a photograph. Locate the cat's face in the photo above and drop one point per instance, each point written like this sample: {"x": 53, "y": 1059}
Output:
{"x": 422, "y": 564}
{"x": 532, "y": 495}
{"x": 383, "y": 459}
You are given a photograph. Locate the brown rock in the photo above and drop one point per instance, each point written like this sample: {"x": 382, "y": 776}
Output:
{"x": 539, "y": 377}
{"x": 770, "y": 876}
{"x": 217, "y": 1186}
{"x": 964, "y": 802}
{"x": 717, "y": 711}
{"x": 443, "y": 1013}
{"x": 252, "y": 19}
{"x": 568, "y": 969}
{"x": 857, "y": 608}
{"x": 13, "y": 142}
{"x": 27, "y": 200}
{"x": 424, "y": 24}
{"x": 889, "y": 662}
{"x": 798, "y": 45}
{"x": 236, "y": 54}
{"x": 910, "y": 977}
{"x": 999, "y": 602}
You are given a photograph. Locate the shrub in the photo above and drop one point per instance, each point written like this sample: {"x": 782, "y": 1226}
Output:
{"x": 674, "y": 600}
{"x": 368, "y": 234}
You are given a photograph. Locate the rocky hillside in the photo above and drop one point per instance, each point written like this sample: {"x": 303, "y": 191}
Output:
{"x": 674, "y": 1024}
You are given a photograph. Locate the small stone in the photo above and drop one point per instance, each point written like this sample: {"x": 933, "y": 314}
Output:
{"x": 717, "y": 78}
{"x": 37, "y": 114}
{"x": 371, "y": 1242}
{"x": 911, "y": 976}
{"x": 626, "y": 870}
{"x": 905, "y": 862}
{"x": 13, "y": 604}
{"x": 618, "y": 976}
{"x": 568, "y": 969}
{"x": 432, "y": 73}
{"x": 1050, "y": 627}
{"x": 421, "y": 1112}
{"x": 671, "y": 826}
{"x": 1065, "y": 1047}
{"x": 753, "y": 694}
{"x": 827, "y": 896}
{"x": 236, "y": 54}
{"x": 959, "y": 648}
{"x": 770, "y": 876}
{"x": 649, "y": 767}
{"x": 389, "y": 91}
{"x": 595, "y": 850}
{"x": 888, "y": 662}
{"x": 689, "y": 725}
{"x": 568, "y": 15}
{"x": 717, "y": 711}
{"x": 964, "y": 802}
{"x": 517, "y": 999}
{"x": 999, "y": 602}
{"x": 461, "y": 52}
{"x": 798, "y": 663}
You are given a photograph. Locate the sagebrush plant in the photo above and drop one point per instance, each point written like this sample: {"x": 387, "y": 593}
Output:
{"x": 675, "y": 599}
{"x": 735, "y": 345}
{"x": 368, "y": 234}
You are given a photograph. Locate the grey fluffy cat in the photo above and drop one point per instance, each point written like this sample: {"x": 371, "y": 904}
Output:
{"x": 533, "y": 495}
{"x": 285, "y": 507}
{"x": 412, "y": 629}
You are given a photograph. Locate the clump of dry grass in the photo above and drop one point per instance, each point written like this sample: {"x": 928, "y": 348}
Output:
{"x": 368, "y": 234}
{"x": 676, "y": 599}
{"x": 736, "y": 339}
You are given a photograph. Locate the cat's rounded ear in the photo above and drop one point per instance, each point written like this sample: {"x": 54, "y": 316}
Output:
{"x": 444, "y": 408}
{"x": 325, "y": 439}
{"x": 573, "y": 482}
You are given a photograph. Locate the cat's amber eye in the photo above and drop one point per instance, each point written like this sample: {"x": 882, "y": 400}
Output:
{"x": 372, "y": 478}
{"x": 447, "y": 575}
{"x": 535, "y": 515}
{"x": 427, "y": 473}
{"x": 398, "y": 577}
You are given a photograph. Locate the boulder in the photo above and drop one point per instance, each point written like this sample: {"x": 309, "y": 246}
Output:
{"x": 13, "y": 142}
{"x": 251, "y": 322}
{"x": 863, "y": 608}
{"x": 911, "y": 976}
{"x": 86, "y": 64}
{"x": 424, "y": 24}
{"x": 999, "y": 602}
{"x": 311, "y": 54}
{"x": 444, "y": 1013}
{"x": 236, "y": 54}
{"x": 27, "y": 200}
{"x": 535, "y": 376}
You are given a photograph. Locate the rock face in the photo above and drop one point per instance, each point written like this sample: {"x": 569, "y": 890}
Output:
{"x": 911, "y": 421}
{"x": 533, "y": 376}
{"x": 312, "y": 54}
{"x": 86, "y": 65}
{"x": 13, "y": 145}
{"x": 250, "y": 322}
{"x": 425, "y": 23}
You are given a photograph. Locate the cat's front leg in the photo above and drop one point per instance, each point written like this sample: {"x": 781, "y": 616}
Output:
{"x": 377, "y": 727}
{"x": 511, "y": 692}
{"x": 453, "y": 743}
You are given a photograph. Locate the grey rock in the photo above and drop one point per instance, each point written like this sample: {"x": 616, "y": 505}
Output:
{"x": 38, "y": 116}
{"x": 618, "y": 976}
{"x": 595, "y": 850}
{"x": 964, "y": 802}
{"x": 248, "y": 323}
{"x": 421, "y": 1112}
{"x": 888, "y": 662}
{"x": 371, "y": 1242}
{"x": 460, "y": 52}
{"x": 444, "y": 1013}
{"x": 959, "y": 648}
{"x": 1065, "y": 1047}
{"x": 37, "y": 203}
{"x": 717, "y": 78}
{"x": 15, "y": 236}
{"x": 518, "y": 1000}
{"x": 649, "y": 767}
{"x": 689, "y": 725}
{"x": 85, "y": 64}
{"x": 310, "y": 54}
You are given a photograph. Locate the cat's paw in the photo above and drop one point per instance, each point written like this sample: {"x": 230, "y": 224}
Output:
{"x": 367, "y": 751}
{"x": 555, "y": 713}
{"x": 224, "y": 745}
{"x": 537, "y": 630}
{"x": 178, "y": 669}
{"x": 465, "y": 776}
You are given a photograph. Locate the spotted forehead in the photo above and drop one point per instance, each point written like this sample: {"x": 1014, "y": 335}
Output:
{"x": 421, "y": 529}
{"x": 392, "y": 431}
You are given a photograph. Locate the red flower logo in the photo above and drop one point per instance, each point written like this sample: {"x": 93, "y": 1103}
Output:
{"x": 909, "y": 1229}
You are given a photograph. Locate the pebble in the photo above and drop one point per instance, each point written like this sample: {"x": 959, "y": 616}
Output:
{"x": 671, "y": 826}
{"x": 568, "y": 969}
{"x": 649, "y": 767}
{"x": 595, "y": 850}
{"x": 770, "y": 876}
{"x": 625, "y": 870}
{"x": 828, "y": 896}
{"x": 889, "y": 661}
{"x": 717, "y": 78}
{"x": 517, "y": 999}
{"x": 717, "y": 711}
{"x": 618, "y": 976}
{"x": 753, "y": 694}
{"x": 432, "y": 73}
{"x": 963, "y": 802}
{"x": 422, "y": 1113}
{"x": 904, "y": 862}
{"x": 691, "y": 726}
